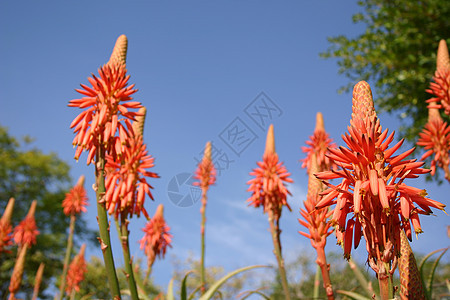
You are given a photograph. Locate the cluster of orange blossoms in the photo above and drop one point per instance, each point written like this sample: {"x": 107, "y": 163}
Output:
{"x": 268, "y": 187}
{"x": 76, "y": 272}
{"x": 106, "y": 102}
{"x": 76, "y": 199}
{"x": 25, "y": 233}
{"x": 435, "y": 137}
{"x": 205, "y": 173}
{"x": 372, "y": 191}
{"x": 126, "y": 185}
{"x": 156, "y": 236}
{"x": 315, "y": 220}
{"x": 318, "y": 145}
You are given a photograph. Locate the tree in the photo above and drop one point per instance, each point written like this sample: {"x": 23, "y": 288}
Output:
{"x": 27, "y": 175}
{"x": 397, "y": 51}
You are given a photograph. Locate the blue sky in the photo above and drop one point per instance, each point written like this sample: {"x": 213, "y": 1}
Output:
{"x": 201, "y": 68}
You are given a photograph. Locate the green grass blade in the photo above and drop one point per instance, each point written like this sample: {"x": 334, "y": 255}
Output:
{"x": 183, "y": 292}
{"x": 211, "y": 291}
{"x": 431, "y": 276}
{"x": 170, "y": 291}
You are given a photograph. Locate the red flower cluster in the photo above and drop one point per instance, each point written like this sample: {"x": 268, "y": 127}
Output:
{"x": 77, "y": 269}
{"x": 205, "y": 173}
{"x": 76, "y": 199}
{"x": 372, "y": 191}
{"x": 25, "y": 233}
{"x": 106, "y": 101}
{"x": 268, "y": 186}
{"x": 157, "y": 237}
{"x": 318, "y": 145}
{"x": 126, "y": 185}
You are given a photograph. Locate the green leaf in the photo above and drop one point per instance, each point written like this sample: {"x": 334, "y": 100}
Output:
{"x": 431, "y": 276}
{"x": 170, "y": 290}
{"x": 352, "y": 295}
{"x": 183, "y": 292}
{"x": 209, "y": 293}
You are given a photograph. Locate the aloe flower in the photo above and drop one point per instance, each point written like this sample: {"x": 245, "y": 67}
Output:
{"x": 106, "y": 112}
{"x": 435, "y": 137}
{"x": 156, "y": 237}
{"x": 5, "y": 227}
{"x": 269, "y": 185}
{"x": 316, "y": 220}
{"x": 269, "y": 191}
{"x": 373, "y": 198}
{"x": 206, "y": 176}
{"x": 76, "y": 199}
{"x": 77, "y": 270}
{"x": 25, "y": 233}
{"x": 17, "y": 274}
{"x": 440, "y": 87}
{"x": 126, "y": 183}
{"x": 318, "y": 145}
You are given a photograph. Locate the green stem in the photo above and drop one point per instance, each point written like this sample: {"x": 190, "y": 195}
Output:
{"x": 67, "y": 258}
{"x": 147, "y": 274}
{"x": 126, "y": 257}
{"x": 105, "y": 241}
{"x": 316, "y": 283}
{"x": 275, "y": 232}
{"x": 202, "y": 231}
{"x": 72, "y": 295}
{"x": 383, "y": 280}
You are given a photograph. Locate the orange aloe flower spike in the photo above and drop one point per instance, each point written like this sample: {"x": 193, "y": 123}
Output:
{"x": 156, "y": 237}
{"x": 25, "y": 233}
{"x": 76, "y": 272}
{"x": 5, "y": 227}
{"x": 76, "y": 199}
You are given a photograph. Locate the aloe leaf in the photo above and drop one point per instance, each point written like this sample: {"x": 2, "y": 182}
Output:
{"x": 210, "y": 292}
{"x": 249, "y": 293}
{"x": 424, "y": 260}
{"x": 170, "y": 291}
{"x": 183, "y": 292}
{"x": 433, "y": 270}
{"x": 352, "y": 295}
{"x": 192, "y": 295}
{"x": 366, "y": 285}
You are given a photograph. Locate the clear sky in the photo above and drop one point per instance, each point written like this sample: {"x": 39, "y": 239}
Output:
{"x": 202, "y": 68}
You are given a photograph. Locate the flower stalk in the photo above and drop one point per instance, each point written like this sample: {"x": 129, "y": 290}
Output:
{"x": 269, "y": 191}
{"x": 206, "y": 176}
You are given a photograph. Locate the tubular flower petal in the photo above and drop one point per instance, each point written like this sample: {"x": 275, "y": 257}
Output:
{"x": 205, "y": 173}
{"x": 156, "y": 237}
{"x": 25, "y": 233}
{"x": 318, "y": 144}
{"x": 76, "y": 199}
{"x": 76, "y": 272}
{"x": 268, "y": 187}
{"x": 373, "y": 184}
{"x": 105, "y": 112}
{"x": 126, "y": 183}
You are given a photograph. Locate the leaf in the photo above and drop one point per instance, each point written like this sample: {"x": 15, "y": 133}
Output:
{"x": 210, "y": 292}
{"x": 249, "y": 293}
{"x": 431, "y": 276}
{"x": 183, "y": 292}
{"x": 352, "y": 295}
{"x": 170, "y": 290}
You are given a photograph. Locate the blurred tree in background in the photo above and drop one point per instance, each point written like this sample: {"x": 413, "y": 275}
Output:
{"x": 28, "y": 174}
{"x": 396, "y": 54}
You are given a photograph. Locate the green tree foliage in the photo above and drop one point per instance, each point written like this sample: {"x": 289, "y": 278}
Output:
{"x": 396, "y": 54}
{"x": 27, "y": 174}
